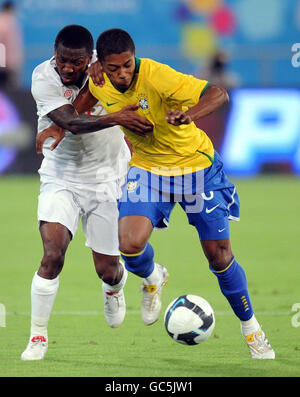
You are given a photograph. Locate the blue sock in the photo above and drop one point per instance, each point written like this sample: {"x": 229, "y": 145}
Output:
{"x": 233, "y": 284}
{"x": 142, "y": 263}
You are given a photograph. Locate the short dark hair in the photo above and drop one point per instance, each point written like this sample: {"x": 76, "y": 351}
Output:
{"x": 75, "y": 36}
{"x": 114, "y": 41}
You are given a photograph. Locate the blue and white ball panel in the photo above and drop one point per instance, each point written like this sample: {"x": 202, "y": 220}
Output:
{"x": 189, "y": 319}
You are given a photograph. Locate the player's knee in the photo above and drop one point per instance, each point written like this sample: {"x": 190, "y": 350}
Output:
{"x": 109, "y": 276}
{"x": 132, "y": 243}
{"x": 52, "y": 263}
{"x": 109, "y": 271}
{"x": 219, "y": 258}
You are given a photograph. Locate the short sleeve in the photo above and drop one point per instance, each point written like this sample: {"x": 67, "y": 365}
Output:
{"x": 178, "y": 88}
{"x": 93, "y": 88}
{"x": 47, "y": 96}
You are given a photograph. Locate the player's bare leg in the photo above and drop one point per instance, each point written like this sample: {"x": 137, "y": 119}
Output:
{"x": 233, "y": 284}
{"x": 114, "y": 275}
{"x": 138, "y": 254}
{"x": 44, "y": 287}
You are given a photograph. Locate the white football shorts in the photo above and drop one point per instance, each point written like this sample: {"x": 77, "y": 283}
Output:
{"x": 94, "y": 204}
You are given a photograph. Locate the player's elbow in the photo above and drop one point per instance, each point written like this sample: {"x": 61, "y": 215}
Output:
{"x": 225, "y": 96}
{"x": 221, "y": 94}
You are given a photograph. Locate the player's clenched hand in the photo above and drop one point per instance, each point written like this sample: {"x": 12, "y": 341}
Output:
{"x": 52, "y": 132}
{"x": 178, "y": 117}
{"x": 129, "y": 119}
{"x": 95, "y": 71}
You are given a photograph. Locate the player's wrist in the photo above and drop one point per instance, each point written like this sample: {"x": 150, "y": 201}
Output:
{"x": 189, "y": 117}
{"x": 117, "y": 118}
{"x": 111, "y": 119}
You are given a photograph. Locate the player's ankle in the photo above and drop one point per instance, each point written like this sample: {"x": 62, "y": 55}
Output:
{"x": 155, "y": 277}
{"x": 249, "y": 326}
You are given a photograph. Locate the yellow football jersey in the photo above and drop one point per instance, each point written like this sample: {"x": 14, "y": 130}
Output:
{"x": 169, "y": 149}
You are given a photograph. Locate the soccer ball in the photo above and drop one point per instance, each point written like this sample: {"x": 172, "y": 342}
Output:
{"x": 189, "y": 319}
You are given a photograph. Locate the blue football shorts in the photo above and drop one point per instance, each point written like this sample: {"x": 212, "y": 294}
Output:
{"x": 208, "y": 198}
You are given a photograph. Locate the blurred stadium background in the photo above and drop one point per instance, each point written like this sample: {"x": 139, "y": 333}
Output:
{"x": 250, "y": 47}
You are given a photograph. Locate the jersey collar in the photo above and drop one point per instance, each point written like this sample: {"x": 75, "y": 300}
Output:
{"x": 137, "y": 65}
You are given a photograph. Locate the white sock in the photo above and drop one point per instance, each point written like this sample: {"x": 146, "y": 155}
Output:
{"x": 250, "y": 326}
{"x": 43, "y": 293}
{"x": 155, "y": 277}
{"x": 120, "y": 285}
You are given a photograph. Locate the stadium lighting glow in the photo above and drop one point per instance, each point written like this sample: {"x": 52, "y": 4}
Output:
{"x": 263, "y": 127}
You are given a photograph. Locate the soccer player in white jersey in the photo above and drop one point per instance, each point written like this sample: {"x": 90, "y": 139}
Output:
{"x": 80, "y": 180}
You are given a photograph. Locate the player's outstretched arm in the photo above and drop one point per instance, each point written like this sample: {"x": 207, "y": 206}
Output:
{"x": 83, "y": 102}
{"x": 67, "y": 118}
{"x": 213, "y": 98}
{"x": 70, "y": 117}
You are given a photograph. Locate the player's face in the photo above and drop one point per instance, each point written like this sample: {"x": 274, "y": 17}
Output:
{"x": 71, "y": 64}
{"x": 120, "y": 69}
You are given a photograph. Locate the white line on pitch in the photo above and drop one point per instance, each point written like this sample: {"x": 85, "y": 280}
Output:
{"x": 135, "y": 312}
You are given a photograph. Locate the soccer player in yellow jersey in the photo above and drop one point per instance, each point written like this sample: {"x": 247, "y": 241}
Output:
{"x": 158, "y": 89}
{"x": 176, "y": 162}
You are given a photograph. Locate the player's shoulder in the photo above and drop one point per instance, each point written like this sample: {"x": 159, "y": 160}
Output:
{"x": 149, "y": 63}
{"x": 45, "y": 71}
{"x": 153, "y": 68}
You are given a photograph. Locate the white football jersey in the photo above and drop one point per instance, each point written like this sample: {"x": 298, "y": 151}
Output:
{"x": 84, "y": 158}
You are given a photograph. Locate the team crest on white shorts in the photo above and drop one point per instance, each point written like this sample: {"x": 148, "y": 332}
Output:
{"x": 131, "y": 186}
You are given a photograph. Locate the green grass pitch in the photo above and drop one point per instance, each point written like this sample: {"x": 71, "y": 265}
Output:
{"x": 265, "y": 242}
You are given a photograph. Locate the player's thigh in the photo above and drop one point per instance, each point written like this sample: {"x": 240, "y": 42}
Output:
{"x": 138, "y": 219}
{"x": 212, "y": 225}
{"x": 57, "y": 204}
{"x": 212, "y": 220}
{"x": 56, "y": 238}
{"x": 141, "y": 198}
{"x": 100, "y": 227}
{"x": 157, "y": 214}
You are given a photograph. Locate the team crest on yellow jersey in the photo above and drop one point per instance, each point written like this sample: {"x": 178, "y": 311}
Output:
{"x": 131, "y": 186}
{"x": 143, "y": 100}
